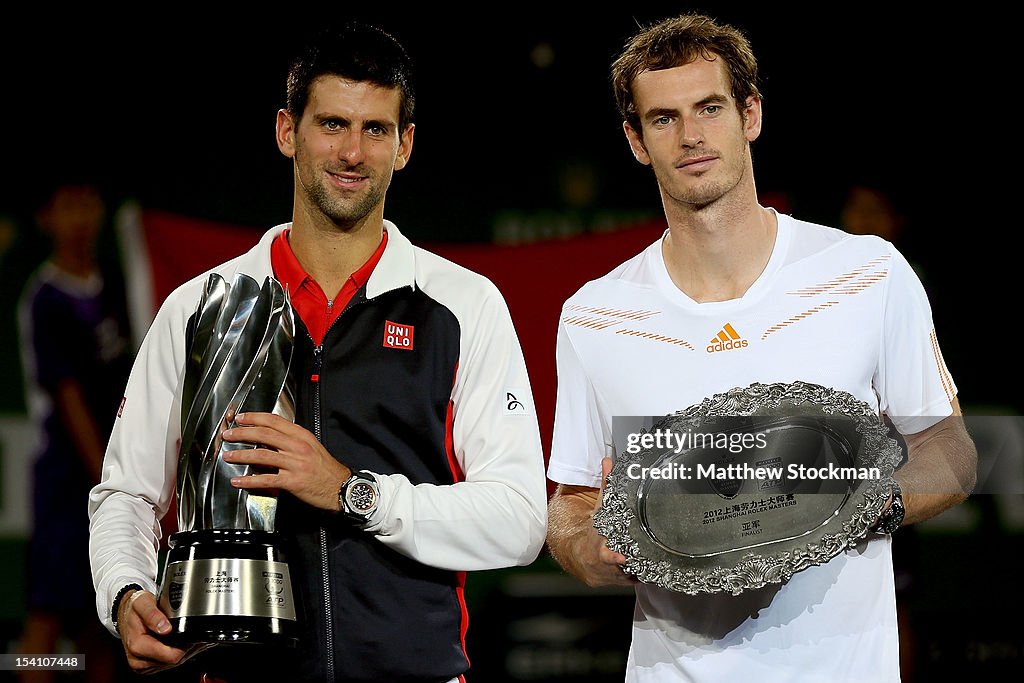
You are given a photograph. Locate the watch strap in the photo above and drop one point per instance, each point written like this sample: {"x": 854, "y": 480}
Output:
{"x": 890, "y": 520}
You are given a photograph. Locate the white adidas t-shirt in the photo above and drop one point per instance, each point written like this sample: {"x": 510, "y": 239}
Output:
{"x": 830, "y": 308}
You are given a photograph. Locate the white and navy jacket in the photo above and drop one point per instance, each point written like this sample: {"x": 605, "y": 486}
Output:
{"x": 459, "y": 464}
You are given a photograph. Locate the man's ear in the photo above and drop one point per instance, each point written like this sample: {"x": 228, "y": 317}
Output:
{"x": 405, "y": 146}
{"x": 285, "y": 133}
{"x": 636, "y": 143}
{"x": 752, "y": 118}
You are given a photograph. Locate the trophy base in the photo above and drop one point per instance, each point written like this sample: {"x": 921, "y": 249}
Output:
{"x": 231, "y": 630}
{"x": 228, "y": 587}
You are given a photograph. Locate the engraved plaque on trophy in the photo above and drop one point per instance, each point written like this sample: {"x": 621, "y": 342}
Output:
{"x": 226, "y": 579}
{"x": 748, "y": 487}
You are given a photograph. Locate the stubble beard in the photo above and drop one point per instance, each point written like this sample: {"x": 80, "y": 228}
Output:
{"x": 699, "y": 191}
{"x": 698, "y": 197}
{"x": 342, "y": 211}
{"x": 702, "y": 191}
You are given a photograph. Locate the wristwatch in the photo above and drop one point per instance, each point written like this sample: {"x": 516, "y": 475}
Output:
{"x": 358, "y": 497}
{"x": 890, "y": 520}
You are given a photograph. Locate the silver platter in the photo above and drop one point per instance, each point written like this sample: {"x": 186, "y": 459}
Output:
{"x": 706, "y": 534}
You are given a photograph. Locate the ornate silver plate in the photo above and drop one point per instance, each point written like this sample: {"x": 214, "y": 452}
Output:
{"x": 748, "y": 487}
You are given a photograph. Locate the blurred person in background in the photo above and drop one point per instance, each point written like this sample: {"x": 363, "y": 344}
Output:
{"x": 76, "y": 356}
{"x": 870, "y": 210}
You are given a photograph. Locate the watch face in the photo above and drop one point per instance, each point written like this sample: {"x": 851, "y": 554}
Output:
{"x": 362, "y": 497}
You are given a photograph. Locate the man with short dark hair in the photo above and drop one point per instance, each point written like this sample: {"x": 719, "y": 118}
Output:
{"x": 423, "y": 420}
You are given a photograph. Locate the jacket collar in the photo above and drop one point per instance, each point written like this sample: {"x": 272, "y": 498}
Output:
{"x": 397, "y": 267}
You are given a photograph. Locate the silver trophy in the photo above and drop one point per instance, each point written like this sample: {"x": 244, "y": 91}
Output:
{"x": 748, "y": 487}
{"x": 226, "y": 580}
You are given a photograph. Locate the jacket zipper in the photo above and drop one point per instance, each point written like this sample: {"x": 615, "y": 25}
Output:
{"x": 329, "y": 630}
{"x": 324, "y": 563}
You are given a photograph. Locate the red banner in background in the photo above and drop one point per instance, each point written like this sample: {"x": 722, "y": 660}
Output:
{"x": 179, "y": 247}
{"x": 535, "y": 279}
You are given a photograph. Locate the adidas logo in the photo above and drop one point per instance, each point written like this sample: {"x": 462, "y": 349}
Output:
{"x": 727, "y": 339}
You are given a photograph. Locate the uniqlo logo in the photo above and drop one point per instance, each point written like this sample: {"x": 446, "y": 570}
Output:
{"x": 398, "y": 336}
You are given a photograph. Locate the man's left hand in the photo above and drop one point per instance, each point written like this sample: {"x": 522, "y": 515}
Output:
{"x": 304, "y": 467}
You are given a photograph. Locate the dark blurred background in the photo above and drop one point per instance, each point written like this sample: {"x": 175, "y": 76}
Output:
{"x": 518, "y": 137}
{"x": 518, "y": 142}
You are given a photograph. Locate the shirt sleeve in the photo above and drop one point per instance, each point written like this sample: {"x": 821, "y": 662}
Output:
{"x": 138, "y": 477}
{"x": 582, "y": 432}
{"x": 913, "y": 384}
{"x": 497, "y": 516}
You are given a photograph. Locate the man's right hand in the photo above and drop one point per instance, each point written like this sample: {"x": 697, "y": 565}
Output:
{"x": 138, "y": 619}
{"x": 574, "y": 541}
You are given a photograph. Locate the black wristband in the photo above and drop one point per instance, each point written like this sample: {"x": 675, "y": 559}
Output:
{"x": 117, "y": 602}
